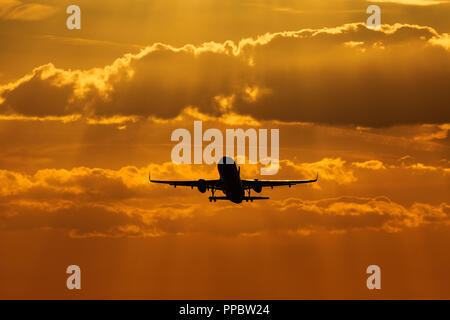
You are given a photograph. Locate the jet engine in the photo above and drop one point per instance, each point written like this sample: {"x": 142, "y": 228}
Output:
{"x": 257, "y": 188}
{"x": 201, "y": 186}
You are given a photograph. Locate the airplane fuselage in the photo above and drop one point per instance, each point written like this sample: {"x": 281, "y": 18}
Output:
{"x": 230, "y": 177}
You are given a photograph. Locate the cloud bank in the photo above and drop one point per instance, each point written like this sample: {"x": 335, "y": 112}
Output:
{"x": 396, "y": 75}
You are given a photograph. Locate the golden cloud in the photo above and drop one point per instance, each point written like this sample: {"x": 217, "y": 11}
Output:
{"x": 288, "y": 217}
{"x": 130, "y": 181}
{"x": 17, "y": 10}
{"x": 329, "y": 169}
{"x": 264, "y": 77}
{"x": 442, "y": 133}
{"x": 370, "y": 164}
{"x": 97, "y": 202}
{"x": 421, "y": 3}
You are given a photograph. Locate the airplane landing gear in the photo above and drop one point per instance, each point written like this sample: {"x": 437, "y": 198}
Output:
{"x": 248, "y": 195}
{"x": 212, "y": 196}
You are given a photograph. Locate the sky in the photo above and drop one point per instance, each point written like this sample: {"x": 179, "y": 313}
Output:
{"x": 86, "y": 114}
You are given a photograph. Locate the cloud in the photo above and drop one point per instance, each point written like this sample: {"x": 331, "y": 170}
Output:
{"x": 421, "y": 3}
{"x": 442, "y": 133}
{"x": 100, "y": 184}
{"x": 88, "y": 42}
{"x": 408, "y": 163}
{"x": 63, "y": 119}
{"x": 99, "y": 202}
{"x": 310, "y": 75}
{"x": 370, "y": 164}
{"x": 347, "y": 213}
{"x": 291, "y": 217}
{"x": 329, "y": 169}
{"x": 17, "y": 10}
{"x": 421, "y": 166}
{"x": 77, "y": 220}
{"x": 443, "y": 40}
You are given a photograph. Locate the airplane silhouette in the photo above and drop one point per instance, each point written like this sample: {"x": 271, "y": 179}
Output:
{"x": 231, "y": 184}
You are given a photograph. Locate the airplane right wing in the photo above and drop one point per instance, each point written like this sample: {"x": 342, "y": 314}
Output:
{"x": 200, "y": 184}
{"x": 274, "y": 183}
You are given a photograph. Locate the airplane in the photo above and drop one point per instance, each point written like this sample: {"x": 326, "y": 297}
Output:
{"x": 231, "y": 184}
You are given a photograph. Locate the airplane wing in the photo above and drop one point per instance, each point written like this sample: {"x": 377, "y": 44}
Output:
{"x": 203, "y": 184}
{"x": 274, "y": 183}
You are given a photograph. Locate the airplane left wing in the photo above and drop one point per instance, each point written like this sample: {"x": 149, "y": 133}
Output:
{"x": 274, "y": 183}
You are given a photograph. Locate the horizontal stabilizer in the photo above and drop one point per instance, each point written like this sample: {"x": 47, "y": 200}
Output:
{"x": 254, "y": 198}
{"x": 217, "y": 198}
{"x": 243, "y": 199}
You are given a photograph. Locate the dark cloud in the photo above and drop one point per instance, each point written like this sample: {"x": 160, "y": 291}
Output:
{"x": 343, "y": 75}
{"x": 84, "y": 219}
{"x": 39, "y": 97}
{"x": 164, "y": 82}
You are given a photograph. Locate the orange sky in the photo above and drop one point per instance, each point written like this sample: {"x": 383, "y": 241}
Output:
{"x": 86, "y": 114}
